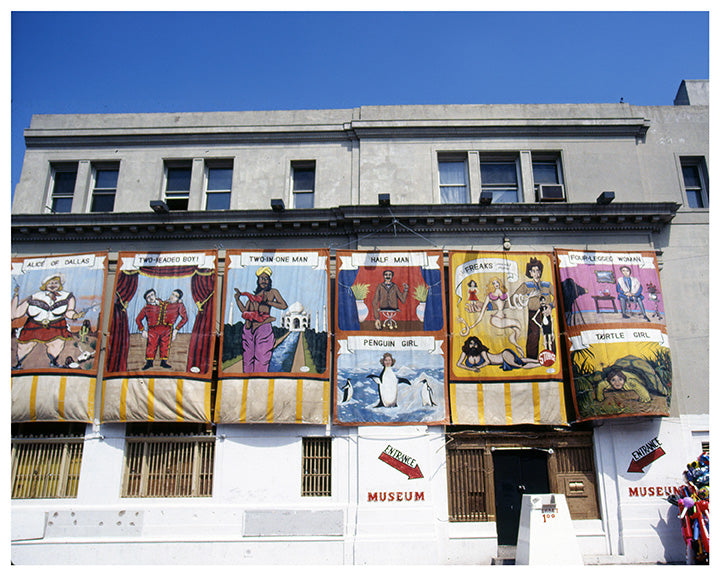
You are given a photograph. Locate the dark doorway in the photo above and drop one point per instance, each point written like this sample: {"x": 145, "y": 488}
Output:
{"x": 517, "y": 472}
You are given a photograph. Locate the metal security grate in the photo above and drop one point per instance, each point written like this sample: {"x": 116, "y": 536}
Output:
{"x": 46, "y": 467}
{"x": 168, "y": 467}
{"x": 467, "y": 494}
{"x": 317, "y": 467}
{"x": 575, "y": 459}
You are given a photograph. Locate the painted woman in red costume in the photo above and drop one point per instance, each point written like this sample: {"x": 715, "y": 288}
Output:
{"x": 47, "y": 313}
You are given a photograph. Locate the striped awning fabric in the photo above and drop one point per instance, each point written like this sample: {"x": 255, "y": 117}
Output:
{"x": 505, "y": 404}
{"x": 273, "y": 400}
{"x": 156, "y": 400}
{"x": 53, "y": 397}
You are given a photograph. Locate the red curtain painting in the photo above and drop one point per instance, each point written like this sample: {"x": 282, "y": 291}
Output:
{"x": 203, "y": 293}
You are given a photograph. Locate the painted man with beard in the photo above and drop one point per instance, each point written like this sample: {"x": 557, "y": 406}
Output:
{"x": 257, "y": 337}
{"x": 475, "y": 355}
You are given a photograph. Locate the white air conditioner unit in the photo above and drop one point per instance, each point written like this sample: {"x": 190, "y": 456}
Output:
{"x": 551, "y": 193}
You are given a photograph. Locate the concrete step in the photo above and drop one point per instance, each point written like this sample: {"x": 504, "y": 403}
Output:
{"x": 505, "y": 556}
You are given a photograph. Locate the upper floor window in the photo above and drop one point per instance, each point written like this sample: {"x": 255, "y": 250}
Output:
{"x": 177, "y": 185}
{"x": 303, "y": 184}
{"x": 218, "y": 185}
{"x": 453, "y": 179}
{"x": 547, "y": 173}
{"x": 695, "y": 182}
{"x": 500, "y": 177}
{"x": 63, "y": 187}
{"x": 104, "y": 188}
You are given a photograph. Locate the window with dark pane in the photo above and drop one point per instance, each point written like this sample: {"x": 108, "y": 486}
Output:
{"x": 103, "y": 197}
{"x": 219, "y": 187}
{"x": 501, "y": 178}
{"x": 695, "y": 182}
{"x": 63, "y": 188}
{"x": 177, "y": 187}
{"x": 303, "y": 184}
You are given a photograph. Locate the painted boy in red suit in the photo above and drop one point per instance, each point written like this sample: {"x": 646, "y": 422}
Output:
{"x": 161, "y": 329}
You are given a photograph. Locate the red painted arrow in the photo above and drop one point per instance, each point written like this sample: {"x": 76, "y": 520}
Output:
{"x": 412, "y": 473}
{"x": 638, "y": 465}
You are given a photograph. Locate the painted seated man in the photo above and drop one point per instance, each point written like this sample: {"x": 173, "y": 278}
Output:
{"x": 629, "y": 291}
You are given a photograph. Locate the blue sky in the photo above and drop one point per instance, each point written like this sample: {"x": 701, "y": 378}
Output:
{"x": 115, "y": 62}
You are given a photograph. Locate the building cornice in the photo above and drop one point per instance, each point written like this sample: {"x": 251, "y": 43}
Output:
{"x": 343, "y": 222}
{"x": 91, "y": 136}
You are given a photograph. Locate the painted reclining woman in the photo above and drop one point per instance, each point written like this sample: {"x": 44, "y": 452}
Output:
{"x": 475, "y": 355}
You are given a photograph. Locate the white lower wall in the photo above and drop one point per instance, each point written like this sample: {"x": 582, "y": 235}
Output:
{"x": 642, "y": 525}
{"x": 376, "y": 514}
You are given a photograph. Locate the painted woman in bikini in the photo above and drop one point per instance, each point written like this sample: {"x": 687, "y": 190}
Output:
{"x": 498, "y": 296}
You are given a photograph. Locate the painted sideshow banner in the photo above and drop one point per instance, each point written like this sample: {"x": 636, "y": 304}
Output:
{"x": 390, "y": 338}
{"x": 161, "y": 337}
{"x": 505, "y": 323}
{"x": 621, "y": 371}
{"x": 609, "y": 287}
{"x": 275, "y": 340}
{"x": 505, "y": 366}
{"x": 388, "y": 291}
{"x": 56, "y": 317}
{"x": 615, "y": 321}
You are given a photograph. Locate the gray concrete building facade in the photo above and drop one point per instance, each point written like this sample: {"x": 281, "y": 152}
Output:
{"x": 508, "y": 178}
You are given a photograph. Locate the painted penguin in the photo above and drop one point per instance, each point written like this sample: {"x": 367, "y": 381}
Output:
{"x": 347, "y": 391}
{"x": 387, "y": 382}
{"x": 426, "y": 393}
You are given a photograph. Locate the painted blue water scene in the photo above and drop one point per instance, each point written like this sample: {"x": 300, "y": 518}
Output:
{"x": 391, "y": 387}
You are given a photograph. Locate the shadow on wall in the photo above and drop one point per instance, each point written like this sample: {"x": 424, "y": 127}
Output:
{"x": 668, "y": 531}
